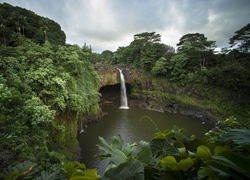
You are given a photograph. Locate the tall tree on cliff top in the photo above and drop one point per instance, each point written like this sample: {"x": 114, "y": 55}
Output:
{"x": 144, "y": 51}
{"x": 147, "y": 49}
{"x": 241, "y": 39}
{"x": 146, "y": 38}
{"x": 197, "y": 47}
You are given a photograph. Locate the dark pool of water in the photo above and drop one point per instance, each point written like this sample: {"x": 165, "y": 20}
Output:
{"x": 133, "y": 125}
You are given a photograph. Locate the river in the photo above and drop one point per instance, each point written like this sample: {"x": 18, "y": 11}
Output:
{"x": 133, "y": 125}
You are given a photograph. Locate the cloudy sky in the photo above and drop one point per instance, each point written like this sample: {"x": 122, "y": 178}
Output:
{"x": 108, "y": 24}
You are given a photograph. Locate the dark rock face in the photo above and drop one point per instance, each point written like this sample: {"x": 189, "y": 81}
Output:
{"x": 147, "y": 92}
{"x": 112, "y": 93}
{"x": 110, "y": 87}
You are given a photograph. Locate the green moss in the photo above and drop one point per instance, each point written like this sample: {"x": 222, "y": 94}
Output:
{"x": 135, "y": 91}
{"x": 66, "y": 143}
{"x": 183, "y": 100}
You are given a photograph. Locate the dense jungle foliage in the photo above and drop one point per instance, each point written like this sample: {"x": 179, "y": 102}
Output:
{"x": 223, "y": 76}
{"x": 42, "y": 79}
{"x": 17, "y": 20}
{"x": 38, "y": 84}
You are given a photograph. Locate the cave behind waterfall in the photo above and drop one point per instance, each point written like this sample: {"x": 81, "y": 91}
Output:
{"x": 112, "y": 93}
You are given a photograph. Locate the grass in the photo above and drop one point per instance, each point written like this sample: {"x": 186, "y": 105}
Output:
{"x": 212, "y": 106}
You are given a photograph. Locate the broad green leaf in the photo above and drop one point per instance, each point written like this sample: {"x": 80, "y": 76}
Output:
{"x": 105, "y": 143}
{"x": 20, "y": 170}
{"x": 177, "y": 129}
{"x": 72, "y": 167}
{"x": 164, "y": 135}
{"x": 163, "y": 147}
{"x": 181, "y": 138}
{"x": 130, "y": 149}
{"x": 131, "y": 169}
{"x": 191, "y": 154}
{"x": 203, "y": 152}
{"x": 140, "y": 151}
{"x": 220, "y": 149}
{"x": 170, "y": 162}
{"x": 221, "y": 171}
{"x": 234, "y": 161}
{"x": 212, "y": 172}
{"x": 183, "y": 151}
{"x": 144, "y": 153}
{"x": 90, "y": 174}
{"x": 117, "y": 142}
{"x": 185, "y": 164}
{"x": 115, "y": 156}
{"x": 45, "y": 175}
{"x": 238, "y": 136}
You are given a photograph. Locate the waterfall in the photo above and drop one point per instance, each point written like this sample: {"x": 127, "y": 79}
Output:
{"x": 81, "y": 127}
{"x": 124, "y": 100}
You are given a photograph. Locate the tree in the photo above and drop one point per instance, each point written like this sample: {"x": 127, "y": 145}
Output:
{"x": 144, "y": 51}
{"x": 151, "y": 53}
{"x": 169, "y": 51}
{"x": 127, "y": 55}
{"x": 160, "y": 67}
{"x": 16, "y": 17}
{"x": 147, "y": 49}
{"x": 197, "y": 47}
{"x": 107, "y": 56}
{"x": 178, "y": 66}
{"x": 146, "y": 37}
{"x": 241, "y": 39}
{"x": 24, "y": 22}
{"x": 2, "y": 26}
{"x": 44, "y": 25}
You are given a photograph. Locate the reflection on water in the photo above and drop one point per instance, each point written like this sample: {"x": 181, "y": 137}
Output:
{"x": 133, "y": 125}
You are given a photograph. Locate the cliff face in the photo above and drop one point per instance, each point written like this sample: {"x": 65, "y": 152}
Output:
{"x": 109, "y": 74}
{"x": 110, "y": 81}
{"x": 148, "y": 92}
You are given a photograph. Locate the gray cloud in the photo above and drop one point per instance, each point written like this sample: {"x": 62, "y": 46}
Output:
{"x": 108, "y": 24}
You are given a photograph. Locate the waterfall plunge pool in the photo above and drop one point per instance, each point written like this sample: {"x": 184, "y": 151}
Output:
{"x": 133, "y": 126}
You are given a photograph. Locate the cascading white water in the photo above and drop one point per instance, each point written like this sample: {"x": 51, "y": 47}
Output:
{"x": 81, "y": 127}
{"x": 124, "y": 100}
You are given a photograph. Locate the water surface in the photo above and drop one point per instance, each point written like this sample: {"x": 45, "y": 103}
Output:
{"x": 133, "y": 125}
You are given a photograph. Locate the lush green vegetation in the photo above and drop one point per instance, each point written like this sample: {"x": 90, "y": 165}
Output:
{"x": 46, "y": 87}
{"x": 222, "y": 76}
{"x": 16, "y": 21}
{"x": 39, "y": 87}
{"x": 222, "y": 154}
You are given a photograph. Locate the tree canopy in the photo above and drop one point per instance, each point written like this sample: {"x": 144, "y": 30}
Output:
{"x": 17, "y": 21}
{"x": 197, "y": 47}
{"x": 38, "y": 84}
{"x": 241, "y": 39}
{"x": 196, "y": 63}
{"x": 143, "y": 51}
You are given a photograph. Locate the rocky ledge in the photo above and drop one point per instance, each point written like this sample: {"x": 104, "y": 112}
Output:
{"x": 148, "y": 92}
